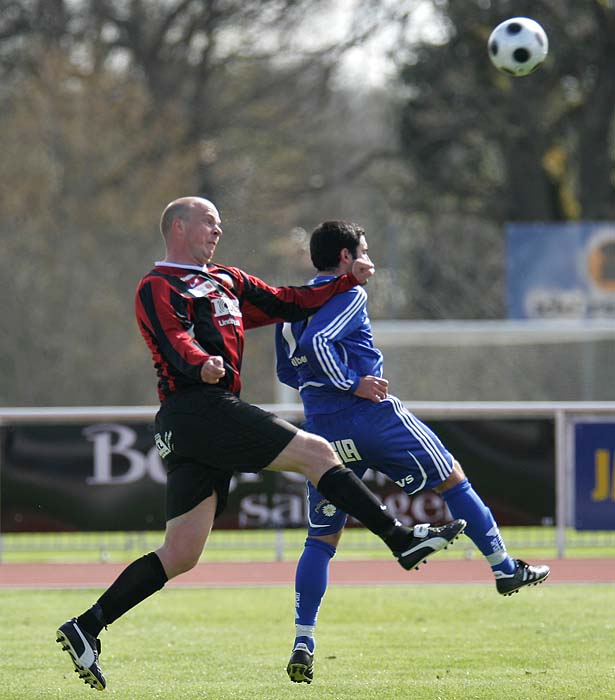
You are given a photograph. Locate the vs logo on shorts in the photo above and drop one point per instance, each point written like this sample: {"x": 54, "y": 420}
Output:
{"x": 164, "y": 444}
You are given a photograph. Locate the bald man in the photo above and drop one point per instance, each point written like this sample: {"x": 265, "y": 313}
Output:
{"x": 193, "y": 314}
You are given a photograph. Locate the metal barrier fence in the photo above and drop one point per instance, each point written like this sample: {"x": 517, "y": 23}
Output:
{"x": 279, "y": 544}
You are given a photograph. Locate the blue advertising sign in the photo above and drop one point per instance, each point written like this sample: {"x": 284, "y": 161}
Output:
{"x": 594, "y": 462}
{"x": 561, "y": 270}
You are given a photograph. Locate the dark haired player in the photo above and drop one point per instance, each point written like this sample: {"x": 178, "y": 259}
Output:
{"x": 332, "y": 361}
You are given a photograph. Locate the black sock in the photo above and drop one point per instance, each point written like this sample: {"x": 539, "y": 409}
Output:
{"x": 345, "y": 490}
{"x": 136, "y": 583}
{"x": 92, "y": 620}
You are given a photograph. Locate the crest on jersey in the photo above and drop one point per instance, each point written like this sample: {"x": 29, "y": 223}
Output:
{"x": 203, "y": 289}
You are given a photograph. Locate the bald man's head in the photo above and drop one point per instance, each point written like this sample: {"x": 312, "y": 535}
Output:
{"x": 182, "y": 208}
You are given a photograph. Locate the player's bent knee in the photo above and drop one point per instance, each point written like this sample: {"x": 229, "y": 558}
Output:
{"x": 308, "y": 450}
{"x": 456, "y": 476}
{"x": 307, "y": 454}
{"x": 317, "y": 449}
{"x": 178, "y": 559}
{"x": 457, "y": 468}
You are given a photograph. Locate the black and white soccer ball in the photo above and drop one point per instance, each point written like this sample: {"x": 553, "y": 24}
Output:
{"x": 518, "y": 46}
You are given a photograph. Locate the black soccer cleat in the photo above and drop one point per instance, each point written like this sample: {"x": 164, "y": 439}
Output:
{"x": 426, "y": 540}
{"x": 523, "y": 575}
{"x": 300, "y": 667}
{"x": 84, "y": 651}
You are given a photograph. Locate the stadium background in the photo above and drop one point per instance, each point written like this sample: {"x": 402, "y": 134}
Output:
{"x": 287, "y": 113}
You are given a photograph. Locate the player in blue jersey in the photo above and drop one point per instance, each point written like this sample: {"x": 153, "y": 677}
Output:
{"x": 331, "y": 359}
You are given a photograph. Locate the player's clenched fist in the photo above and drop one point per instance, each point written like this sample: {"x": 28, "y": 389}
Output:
{"x": 213, "y": 370}
{"x": 375, "y": 389}
{"x": 363, "y": 268}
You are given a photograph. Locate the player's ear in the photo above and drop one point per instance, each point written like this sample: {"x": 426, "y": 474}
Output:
{"x": 178, "y": 225}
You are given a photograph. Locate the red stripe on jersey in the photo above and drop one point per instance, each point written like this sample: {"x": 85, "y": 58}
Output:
{"x": 186, "y": 315}
{"x": 164, "y": 318}
{"x": 263, "y": 304}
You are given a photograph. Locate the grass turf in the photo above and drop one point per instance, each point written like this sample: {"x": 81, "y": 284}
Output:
{"x": 532, "y": 543}
{"x": 382, "y": 643}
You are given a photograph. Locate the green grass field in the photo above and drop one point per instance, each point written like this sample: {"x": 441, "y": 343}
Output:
{"x": 419, "y": 642}
{"x": 264, "y": 545}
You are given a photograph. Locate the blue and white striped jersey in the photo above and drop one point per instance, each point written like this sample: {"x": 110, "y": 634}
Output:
{"x": 325, "y": 355}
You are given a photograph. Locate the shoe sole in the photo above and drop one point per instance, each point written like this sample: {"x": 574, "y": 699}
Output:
{"x": 84, "y": 673}
{"x": 525, "y": 585}
{"x": 298, "y": 673}
{"x": 434, "y": 547}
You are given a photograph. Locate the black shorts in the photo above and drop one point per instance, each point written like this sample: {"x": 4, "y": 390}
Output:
{"x": 204, "y": 435}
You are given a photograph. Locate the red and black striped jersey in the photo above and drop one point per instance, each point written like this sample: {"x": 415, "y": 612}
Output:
{"x": 187, "y": 314}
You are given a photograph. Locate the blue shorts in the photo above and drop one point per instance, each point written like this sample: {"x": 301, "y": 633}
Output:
{"x": 382, "y": 436}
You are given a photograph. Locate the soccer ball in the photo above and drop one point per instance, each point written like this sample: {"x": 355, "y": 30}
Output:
{"x": 518, "y": 46}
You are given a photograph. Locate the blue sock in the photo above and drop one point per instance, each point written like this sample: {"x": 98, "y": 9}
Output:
{"x": 308, "y": 642}
{"x": 463, "y": 502}
{"x": 311, "y": 581}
